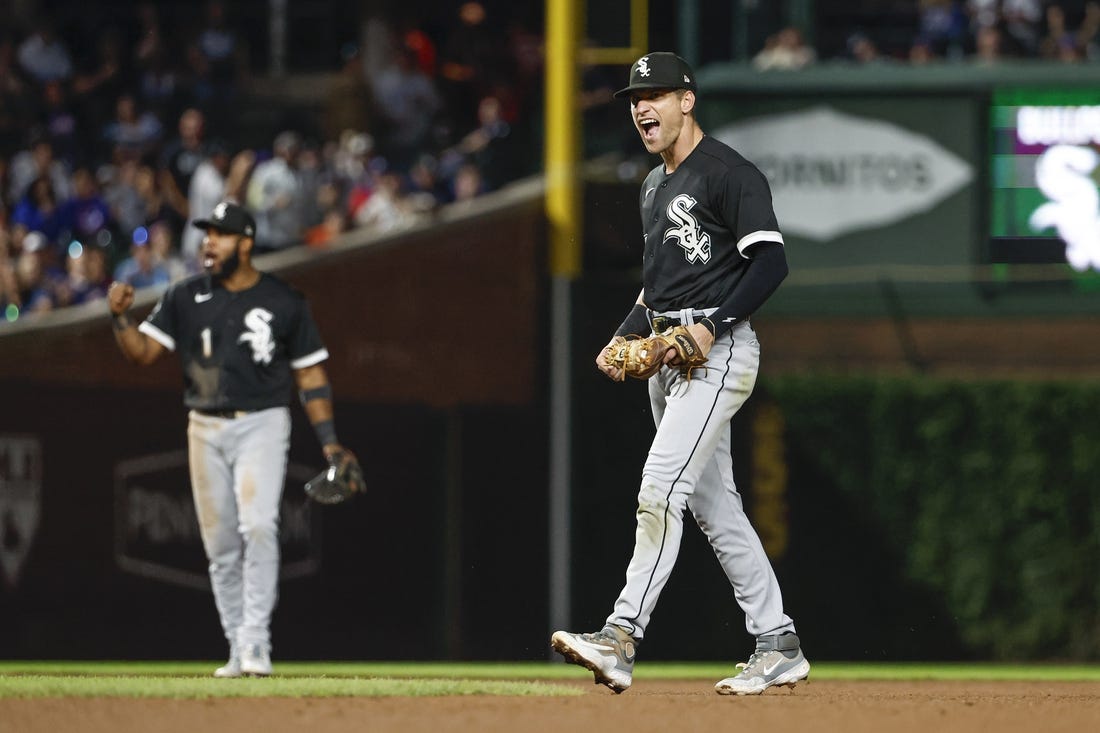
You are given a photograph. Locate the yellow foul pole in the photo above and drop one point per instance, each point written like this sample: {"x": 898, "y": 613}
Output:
{"x": 563, "y": 27}
{"x": 563, "y": 216}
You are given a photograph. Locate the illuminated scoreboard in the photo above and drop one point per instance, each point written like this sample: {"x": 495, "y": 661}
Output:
{"x": 1045, "y": 178}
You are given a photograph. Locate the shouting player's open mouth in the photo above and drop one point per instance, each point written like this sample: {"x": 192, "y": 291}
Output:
{"x": 649, "y": 127}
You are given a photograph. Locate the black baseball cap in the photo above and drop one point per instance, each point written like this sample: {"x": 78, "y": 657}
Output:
{"x": 229, "y": 217}
{"x": 659, "y": 70}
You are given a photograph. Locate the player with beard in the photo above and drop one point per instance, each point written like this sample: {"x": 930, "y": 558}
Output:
{"x": 243, "y": 337}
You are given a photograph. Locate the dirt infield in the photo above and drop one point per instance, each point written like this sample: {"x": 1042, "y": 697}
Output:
{"x": 851, "y": 707}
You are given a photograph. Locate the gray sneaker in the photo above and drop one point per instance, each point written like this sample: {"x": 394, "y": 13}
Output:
{"x": 609, "y": 653}
{"x": 778, "y": 660}
{"x": 230, "y": 669}
{"x": 256, "y": 661}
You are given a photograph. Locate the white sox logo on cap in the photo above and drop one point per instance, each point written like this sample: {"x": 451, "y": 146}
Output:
{"x": 643, "y": 66}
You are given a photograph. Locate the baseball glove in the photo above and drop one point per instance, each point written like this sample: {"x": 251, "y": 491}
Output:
{"x": 641, "y": 358}
{"x": 340, "y": 481}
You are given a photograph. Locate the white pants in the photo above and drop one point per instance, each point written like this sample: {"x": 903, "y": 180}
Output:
{"x": 690, "y": 466}
{"x": 238, "y": 467}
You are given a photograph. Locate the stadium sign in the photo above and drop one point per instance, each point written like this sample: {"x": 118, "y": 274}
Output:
{"x": 20, "y": 502}
{"x": 157, "y": 530}
{"x": 833, "y": 173}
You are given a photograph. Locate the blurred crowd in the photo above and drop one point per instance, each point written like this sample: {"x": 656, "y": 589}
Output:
{"x": 978, "y": 31}
{"x": 111, "y": 144}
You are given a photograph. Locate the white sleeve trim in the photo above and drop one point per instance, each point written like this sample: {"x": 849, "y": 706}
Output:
{"x": 310, "y": 359}
{"x": 157, "y": 335}
{"x": 750, "y": 239}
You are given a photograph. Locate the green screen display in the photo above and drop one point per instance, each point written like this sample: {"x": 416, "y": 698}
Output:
{"x": 1045, "y": 177}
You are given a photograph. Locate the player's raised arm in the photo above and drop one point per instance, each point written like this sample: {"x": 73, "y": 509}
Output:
{"x": 135, "y": 345}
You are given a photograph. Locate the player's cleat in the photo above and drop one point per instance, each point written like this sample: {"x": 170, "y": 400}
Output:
{"x": 778, "y": 660}
{"x": 256, "y": 661}
{"x": 230, "y": 669}
{"x": 608, "y": 653}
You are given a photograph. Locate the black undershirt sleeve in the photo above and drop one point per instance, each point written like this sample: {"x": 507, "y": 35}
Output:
{"x": 767, "y": 268}
{"x": 636, "y": 323}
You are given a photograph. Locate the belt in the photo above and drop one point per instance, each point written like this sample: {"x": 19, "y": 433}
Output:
{"x": 661, "y": 322}
{"x": 224, "y": 414}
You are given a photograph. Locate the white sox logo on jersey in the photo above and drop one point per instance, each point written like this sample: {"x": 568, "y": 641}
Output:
{"x": 258, "y": 335}
{"x": 687, "y": 232}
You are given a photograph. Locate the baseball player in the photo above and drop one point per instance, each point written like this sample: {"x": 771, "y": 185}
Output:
{"x": 242, "y": 336}
{"x": 713, "y": 254}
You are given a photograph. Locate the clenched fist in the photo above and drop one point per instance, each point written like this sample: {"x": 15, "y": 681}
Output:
{"x": 120, "y": 296}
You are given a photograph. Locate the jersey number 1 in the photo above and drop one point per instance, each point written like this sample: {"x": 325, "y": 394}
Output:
{"x": 207, "y": 343}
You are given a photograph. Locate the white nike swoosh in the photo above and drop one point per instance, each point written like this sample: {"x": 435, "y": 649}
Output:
{"x": 203, "y": 297}
{"x": 769, "y": 670}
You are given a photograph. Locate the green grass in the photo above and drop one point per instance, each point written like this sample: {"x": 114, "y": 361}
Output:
{"x": 373, "y": 679}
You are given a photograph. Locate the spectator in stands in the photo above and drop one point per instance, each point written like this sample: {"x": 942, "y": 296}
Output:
{"x": 119, "y": 186}
{"x": 160, "y": 87}
{"x": 34, "y": 276}
{"x": 9, "y": 288}
{"x": 384, "y": 210}
{"x": 60, "y": 122}
{"x": 140, "y": 269}
{"x": 1058, "y": 37}
{"x": 1088, "y": 35}
{"x": 180, "y": 158}
{"x": 333, "y": 224}
{"x": 206, "y": 190}
{"x": 863, "y": 51}
{"x": 162, "y": 245}
{"x": 987, "y": 50}
{"x": 275, "y": 196}
{"x": 86, "y": 276}
{"x": 1060, "y": 43}
{"x": 35, "y": 162}
{"x": 132, "y": 132}
{"x": 43, "y": 56}
{"x": 349, "y": 101}
{"x": 467, "y": 184}
{"x": 95, "y": 88}
{"x": 489, "y": 145}
{"x": 424, "y": 189}
{"x": 943, "y": 24}
{"x": 1017, "y": 20}
{"x": 468, "y": 61}
{"x": 785, "y": 50}
{"x": 409, "y": 102}
{"x": 920, "y": 52}
{"x": 86, "y": 213}
{"x": 156, "y": 205}
{"x": 218, "y": 63}
{"x": 38, "y": 211}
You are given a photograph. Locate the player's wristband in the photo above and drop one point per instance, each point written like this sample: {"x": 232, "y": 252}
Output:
{"x": 637, "y": 322}
{"x": 121, "y": 321}
{"x": 326, "y": 432}
{"x": 324, "y": 392}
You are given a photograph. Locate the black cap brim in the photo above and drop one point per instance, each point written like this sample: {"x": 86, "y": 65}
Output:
{"x": 626, "y": 91}
{"x": 205, "y": 224}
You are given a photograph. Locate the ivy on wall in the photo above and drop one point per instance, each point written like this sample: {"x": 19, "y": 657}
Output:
{"x": 988, "y": 490}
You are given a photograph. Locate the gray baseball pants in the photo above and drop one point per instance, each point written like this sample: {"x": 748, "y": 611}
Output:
{"x": 690, "y": 466}
{"x": 238, "y": 466}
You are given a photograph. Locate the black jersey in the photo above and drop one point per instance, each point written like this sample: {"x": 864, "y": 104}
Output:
{"x": 237, "y": 348}
{"x": 699, "y": 221}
